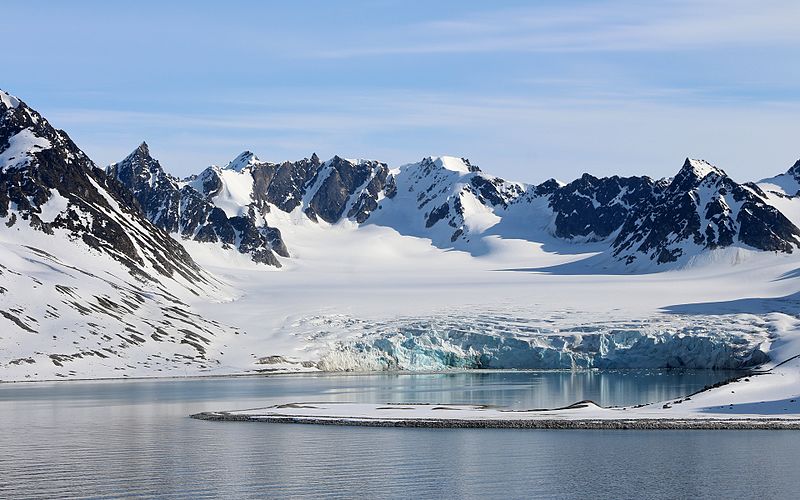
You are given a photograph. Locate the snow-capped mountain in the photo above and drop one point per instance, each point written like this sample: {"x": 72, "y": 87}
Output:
{"x": 787, "y": 184}
{"x": 212, "y": 207}
{"x": 446, "y": 199}
{"x": 783, "y": 192}
{"x": 48, "y": 184}
{"x": 229, "y": 205}
{"x": 595, "y": 208}
{"x": 654, "y": 224}
{"x": 83, "y": 273}
{"x": 703, "y": 209}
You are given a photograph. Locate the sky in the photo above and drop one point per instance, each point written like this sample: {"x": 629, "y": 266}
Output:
{"x": 526, "y": 90}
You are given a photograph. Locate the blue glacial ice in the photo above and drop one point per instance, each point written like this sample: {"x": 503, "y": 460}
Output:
{"x": 446, "y": 342}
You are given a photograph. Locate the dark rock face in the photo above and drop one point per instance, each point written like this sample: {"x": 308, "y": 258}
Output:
{"x": 488, "y": 190}
{"x": 252, "y": 241}
{"x": 189, "y": 212}
{"x": 437, "y": 214}
{"x": 283, "y": 185}
{"x": 595, "y": 207}
{"x": 794, "y": 171}
{"x": 43, "y": 162}
{"x": 207, "y": 183}
{"x": 367, "y": 202}
{"x": 340, "y": 179}
{"x": 764, "y": 227}
{"x": 703, "y": 208}
{"x": 323, "y": 190}
{"x": 546, "y": 188}
{"x": 156, "y": 191}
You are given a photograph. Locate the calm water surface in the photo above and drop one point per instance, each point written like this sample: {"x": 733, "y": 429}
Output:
{"x": 133, "y": 439}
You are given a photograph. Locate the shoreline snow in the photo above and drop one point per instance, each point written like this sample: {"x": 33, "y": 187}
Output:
{"x": 760, "y": 400}
{"x": 552, "y": 424}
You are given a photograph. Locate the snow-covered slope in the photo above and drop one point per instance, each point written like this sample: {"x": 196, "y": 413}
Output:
{"x": 787, "y": 183}
{"x": 783, "y": 192}
{"x": 82, "y": 273}
{"x": 347, "y": 306}
{"x": 447, "y": 200}
{"x": 49, "y": 185}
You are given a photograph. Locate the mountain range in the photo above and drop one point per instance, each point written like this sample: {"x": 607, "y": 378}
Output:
{"x": 243, "y": 205}
{"x": 97, "y": 258}
{"x": 644, "y": 223}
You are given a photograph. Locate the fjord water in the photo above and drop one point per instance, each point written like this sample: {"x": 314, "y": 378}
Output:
{"x": 134, "y": 438}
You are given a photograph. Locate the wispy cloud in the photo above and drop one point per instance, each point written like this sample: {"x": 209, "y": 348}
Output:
{"x": 592, "y": 27}
{"x": 525, "y": 138}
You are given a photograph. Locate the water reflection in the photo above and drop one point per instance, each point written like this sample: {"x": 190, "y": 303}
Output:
{"x": 129, "y": 438}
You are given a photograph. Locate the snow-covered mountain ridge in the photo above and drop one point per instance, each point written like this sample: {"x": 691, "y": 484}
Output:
{"x": 643, "y": 224}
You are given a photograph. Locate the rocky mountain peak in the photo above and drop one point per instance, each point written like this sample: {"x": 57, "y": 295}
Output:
{"x": 7, "y": 100}
{"x": 698, "y": 169}
{"x": 140, "y": 167}
{"x": 241, "y": 162}
{"x": 692, "y": 174}
{"x": 143, "y": 150}
{"x": 40, "y": 166}
{"x": 665, "y": 221}
{"x": 141, "y": 155}
{"x": 703, "y": 209}
{"x": 188, "y": 209}
{"x": 794, "y": 171}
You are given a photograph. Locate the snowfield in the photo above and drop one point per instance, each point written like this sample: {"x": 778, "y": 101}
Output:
{"x": 71, "y": 312}
{"x": 420, "y": 308}
{"x": 368, "y": 299}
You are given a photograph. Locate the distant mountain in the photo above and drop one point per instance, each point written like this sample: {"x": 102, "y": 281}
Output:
{"x": 228, "y": 205}
{"x": 787, "y": 184}
{"x": 455, "y": 205}
{"x": 446, "y": 199}
{"x": 703, "y": 209}
{"x": 595, "y": 208}
{"x": 188, "y": 208}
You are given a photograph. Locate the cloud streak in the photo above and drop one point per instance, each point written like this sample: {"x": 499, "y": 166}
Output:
{"x": 523, "y": 138}
{"x": 592, "y": 27}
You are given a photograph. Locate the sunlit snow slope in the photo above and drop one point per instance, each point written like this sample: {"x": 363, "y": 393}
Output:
{"x": 88, "y": 286}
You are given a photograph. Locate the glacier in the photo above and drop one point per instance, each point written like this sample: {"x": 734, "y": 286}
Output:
{"x": 499, "y": 342}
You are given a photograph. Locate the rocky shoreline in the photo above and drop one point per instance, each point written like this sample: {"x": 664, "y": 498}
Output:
{"x": 548, "y": 423}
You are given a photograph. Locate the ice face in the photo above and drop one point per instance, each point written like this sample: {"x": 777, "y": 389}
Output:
{"x": 443, "y": 343}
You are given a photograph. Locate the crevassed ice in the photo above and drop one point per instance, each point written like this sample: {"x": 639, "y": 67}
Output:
{"x": 438, "y": 343}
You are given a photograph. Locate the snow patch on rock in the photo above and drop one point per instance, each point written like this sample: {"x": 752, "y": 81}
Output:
{"x": 20, "y": 148}
{"x": 8, "y": 100}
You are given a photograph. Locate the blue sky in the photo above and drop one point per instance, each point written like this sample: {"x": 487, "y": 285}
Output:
{"x": 526, "y": 90}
